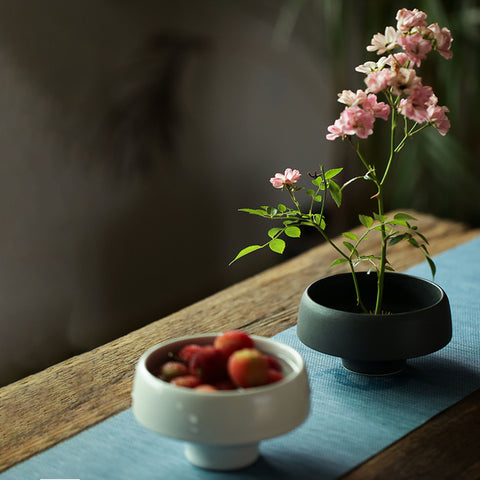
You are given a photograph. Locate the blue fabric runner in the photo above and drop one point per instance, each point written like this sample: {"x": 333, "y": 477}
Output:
{"x": 352, "y": 417}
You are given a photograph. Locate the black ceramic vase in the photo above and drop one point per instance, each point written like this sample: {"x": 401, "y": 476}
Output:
{"x": 416, "y": 322}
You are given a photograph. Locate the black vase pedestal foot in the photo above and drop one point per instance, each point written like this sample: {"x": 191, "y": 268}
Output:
{"x": 375, "y": 369}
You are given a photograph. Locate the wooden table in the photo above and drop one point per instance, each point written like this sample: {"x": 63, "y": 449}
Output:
{"x": 61, "y": 401}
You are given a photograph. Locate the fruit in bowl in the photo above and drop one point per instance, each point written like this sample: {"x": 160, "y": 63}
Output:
{"x": 222, "y": 398}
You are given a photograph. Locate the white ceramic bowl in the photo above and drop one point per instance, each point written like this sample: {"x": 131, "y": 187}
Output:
{"x": 221, "y": 429}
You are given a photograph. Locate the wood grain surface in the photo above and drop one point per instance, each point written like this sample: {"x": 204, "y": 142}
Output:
{"x": 41, "y": 410}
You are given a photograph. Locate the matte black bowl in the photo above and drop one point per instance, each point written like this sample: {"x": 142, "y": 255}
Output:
{"x": 416, "y": 321}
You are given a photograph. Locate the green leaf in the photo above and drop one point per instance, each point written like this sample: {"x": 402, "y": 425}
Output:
{"x": 403, "y": 216}
{"x": 350, "y": 236}
{"x": 380, "y": 218}
{"x": 338, "y": 261}
{"x": 246, "y": 251}
{"x": 350, "y": 247}
{"x": 332, "y": 173}
{"x": 293, "y": 232}
{"x": 272, "y": 211}
{"x": 365, "y": 220}
{"x": 317, "y": 198}
{"x": 277, "y": 245}
{"x": 310, "y": 192}
{"x": 282, "y": 208}
{"x": 254, "y": 211}
{"x": 432, "y": 266}
{"x": 335, "y": 192}
{"x": 402, "y": 223}
{"x": 398, "y": 238}
{"x": 273, "y": 231}
{"x": 422, "y": 237}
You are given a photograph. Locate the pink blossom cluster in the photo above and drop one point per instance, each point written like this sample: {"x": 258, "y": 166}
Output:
{"x": 395, "y": 75}
{"x": 288, "y": 178}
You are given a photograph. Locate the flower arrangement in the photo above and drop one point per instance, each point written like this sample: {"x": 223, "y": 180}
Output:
{"x": 401, "y": 50}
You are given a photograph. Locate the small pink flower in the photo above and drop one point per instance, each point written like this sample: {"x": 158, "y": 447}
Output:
{"x": 382, "y": 43}
{"x": 289, "y": 178}
{"x": 416, "y": 47}
{"x": 436, "y": 115}
{"x": 407, "y": 19}
{"x": 398, "y": 60}
{"x": 350, "y": 98}
{"x": 369, "y": 67}
{"x": 415, "y": 106}
{"x": 404, "y": 81}
{"x": 356, "y": 121}
{"x": 377, "y": 109}
{"x": 443, "y": 40}
{"x": 336, "y": 130}
{"x": 378, "y": 81}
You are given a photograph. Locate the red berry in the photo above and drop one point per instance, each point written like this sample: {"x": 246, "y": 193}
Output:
{"x": 274, "y": 375}
{"x": 187, "y": 381}
{"x": 225, "y": 385}
{"x": 205, "y": 387}
{"x": 208, "y": 364}
{"x": 232, "y": 341}
{"x": 274, "y": 363}
{"x": 172, "y": 369}
{"x": 248, "y": 368}
{"x": 187, "y": 351}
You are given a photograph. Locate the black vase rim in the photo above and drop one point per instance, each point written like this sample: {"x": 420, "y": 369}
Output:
{"x": 434, "y": 286}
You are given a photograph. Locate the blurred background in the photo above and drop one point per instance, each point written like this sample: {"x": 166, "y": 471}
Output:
{"x": 132, "y": 131}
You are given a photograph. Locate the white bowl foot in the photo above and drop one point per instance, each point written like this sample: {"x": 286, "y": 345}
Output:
{"x": 221, "y": 457}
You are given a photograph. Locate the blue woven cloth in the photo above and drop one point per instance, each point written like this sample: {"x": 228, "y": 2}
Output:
{"x": 352, "y": 417}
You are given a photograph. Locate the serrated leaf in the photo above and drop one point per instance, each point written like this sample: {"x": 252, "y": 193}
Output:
{"x": 293, "y": 232}
{"x": 338, "y": 261}
{"x": 277, "y": 245}
{"x": 403, "y": 216}
{"x": 332, "y": 173}
{"x": 273, "y": 231}
{"x": 246, "y": 251}
{"x": 365, "y": 220}
{"x": 350, "y": 236}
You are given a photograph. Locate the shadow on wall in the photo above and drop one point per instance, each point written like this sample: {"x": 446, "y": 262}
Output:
{"x": 91, "y": 247}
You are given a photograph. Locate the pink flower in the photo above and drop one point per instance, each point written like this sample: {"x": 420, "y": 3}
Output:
{"x": 436, "y": 115}
{"x": 443, "y": 40}
{"x": 378, "y": 81}
{"x": 382, "y": 43}
{"x": 356, "y": 121}
{"x": 407, "y": 19}
{"x": 289, "y": 178}
{"x": 415, "y": 106}
{"x": 336, "y": 130}
{"x": 377, "y": 109}
{"x": 416, "y": 47}
{"x": 369, "y": 67}
{"x": 353, "y": 121}
{"x": 350, "y": 98}
{"x": 397, "y": 60}
{"x": 404, "y": 80}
